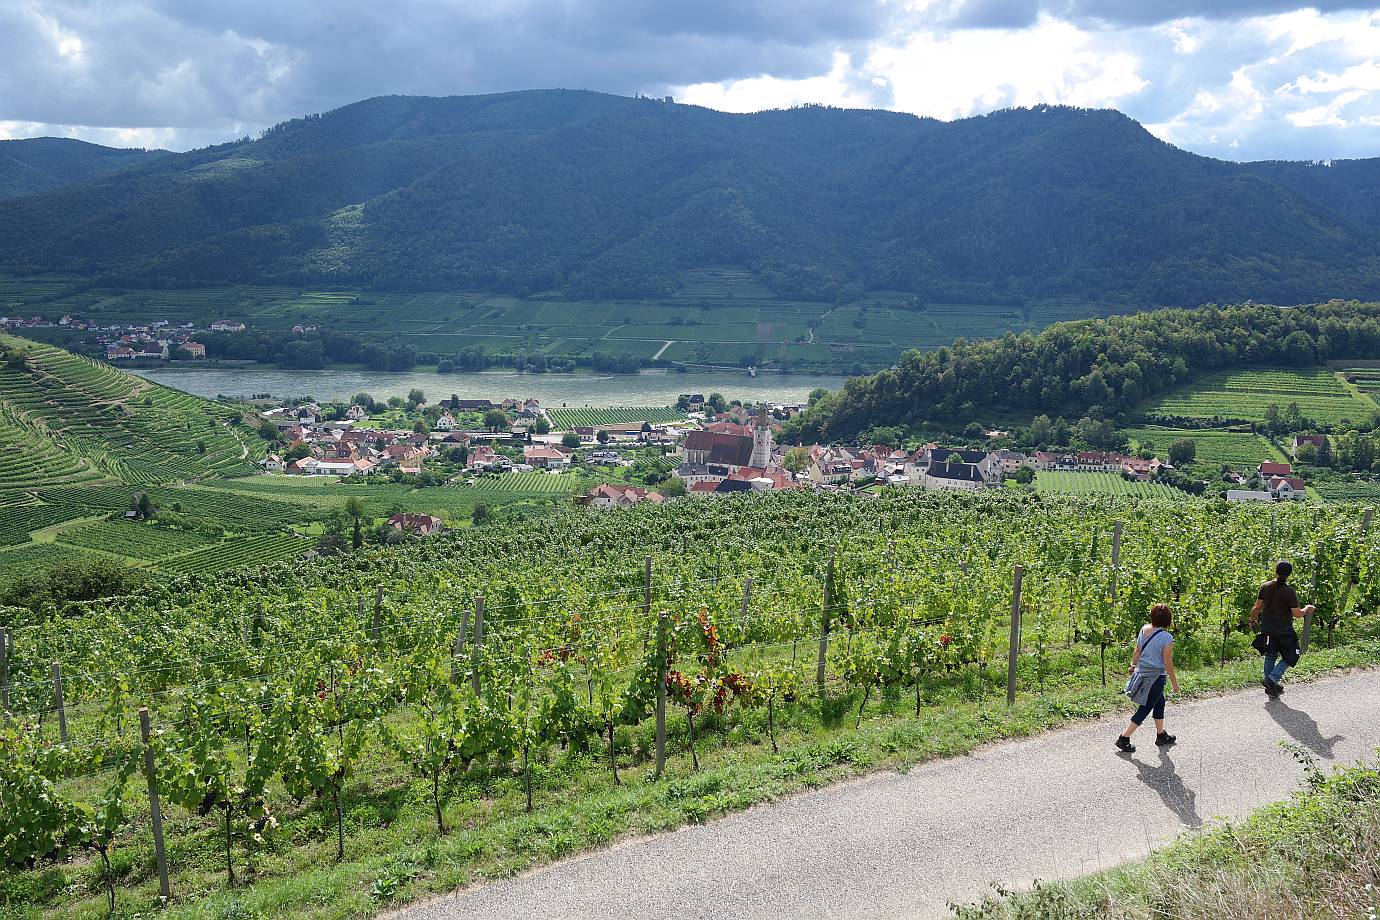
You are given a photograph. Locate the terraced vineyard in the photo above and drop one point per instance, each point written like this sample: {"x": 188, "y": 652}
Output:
{"x": 1347, "y": 491}
{"x": 1214, "y": 446}
{"x": 256, "y": 550}
{"x": 578, "y": 418}
{"x": 1245, "y": 395}
{"x": 1068, "y": 482}
{"x": 137, "y": 541}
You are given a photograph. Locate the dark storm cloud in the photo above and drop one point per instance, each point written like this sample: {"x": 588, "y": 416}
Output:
{"x": 208, "y": 65}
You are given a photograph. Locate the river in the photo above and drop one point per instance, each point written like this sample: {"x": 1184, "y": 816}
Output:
{"x": 648, "y": 388}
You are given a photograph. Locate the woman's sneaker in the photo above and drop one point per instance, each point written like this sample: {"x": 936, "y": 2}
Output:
{"x": 1164, "y": 739}
{"x": 1124, "y": 744}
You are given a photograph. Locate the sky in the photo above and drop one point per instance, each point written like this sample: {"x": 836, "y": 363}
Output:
{"x": 1236, "y": 79}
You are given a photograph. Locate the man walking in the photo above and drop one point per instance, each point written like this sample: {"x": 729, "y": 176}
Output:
{"x": 1276, "y": 608}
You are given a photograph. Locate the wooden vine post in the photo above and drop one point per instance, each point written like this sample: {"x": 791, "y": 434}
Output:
{"x": 662, "y": 663}
{"x": 1014, "y": 651}
{"x": 4, "y": 670}
{"x": 378, "y": 613}
{"x": 59, "y": 703}
{"x": 747, "y": 602}
{"x": 824, "y": 623}
{"x": 155, "y": 811}
{"x": 477, "y": 647}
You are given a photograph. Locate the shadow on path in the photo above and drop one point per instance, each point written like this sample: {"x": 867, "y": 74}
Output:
{"x": 1302, "y": 728}
{"x": 1164, "y": 778}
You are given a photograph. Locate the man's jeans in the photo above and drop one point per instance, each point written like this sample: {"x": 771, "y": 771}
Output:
{"x": 1275, "y": 667}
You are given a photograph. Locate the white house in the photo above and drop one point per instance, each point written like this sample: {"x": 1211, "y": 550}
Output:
{"x": 273, "y": 464}
{"x": 445, "y": 422}
{"x": 227, "y": 325}
{"x": 1287, "y": 488}
{"x": 356, "y": 413}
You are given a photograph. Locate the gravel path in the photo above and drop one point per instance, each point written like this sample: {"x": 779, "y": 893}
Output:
{"x": 903, "y": 845}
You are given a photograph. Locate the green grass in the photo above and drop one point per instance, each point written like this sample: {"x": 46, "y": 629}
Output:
{"x": 1076, "y": 483}
{"x": 1319, "y": 393}
{"x": 1315, "y": 855}
{"x": 1348, "y": 491}
{"x": 392, "y": 837}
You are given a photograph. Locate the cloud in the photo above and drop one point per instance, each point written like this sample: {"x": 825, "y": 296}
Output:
{"x": 1237, "y": 78}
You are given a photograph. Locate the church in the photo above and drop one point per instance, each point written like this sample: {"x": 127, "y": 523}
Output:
{"x": 712, "y": 456}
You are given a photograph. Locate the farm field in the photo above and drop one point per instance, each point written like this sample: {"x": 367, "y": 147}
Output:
{"x": 718, "y": 317}
{"x": 562, "y": 419}
{"x": 1346, "y": 491}
{"x": 1245, "y": 395}
{"x": 348, "y": 677}
{"x": 1070, "y": 482}
{"x": 1214, "y": 446}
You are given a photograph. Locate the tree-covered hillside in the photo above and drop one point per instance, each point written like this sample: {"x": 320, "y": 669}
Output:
{"x": 41, "y": 164}
{"x": 598, "y": 195}
{"x": 1099, "y": 367}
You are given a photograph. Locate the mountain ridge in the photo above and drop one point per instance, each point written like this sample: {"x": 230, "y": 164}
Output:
{"x": 606, "y": 196}
{"x": 40, "y": 164}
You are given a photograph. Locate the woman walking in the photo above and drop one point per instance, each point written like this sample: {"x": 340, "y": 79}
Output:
{"x": 1151, "y": 667}
{"x": 1276, "y": 608}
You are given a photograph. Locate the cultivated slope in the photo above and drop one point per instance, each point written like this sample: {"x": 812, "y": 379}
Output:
{"x": 67, "y": 420}
{"x": 41, "y": 164}
{"x": 609, "y": 196}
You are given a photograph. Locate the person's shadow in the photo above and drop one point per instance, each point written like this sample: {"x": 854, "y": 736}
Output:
{"x": 1165, "y": 780}
{"x": 1302, "y": 728}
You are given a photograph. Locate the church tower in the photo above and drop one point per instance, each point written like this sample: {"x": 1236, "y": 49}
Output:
{"x": 761, "y": 442}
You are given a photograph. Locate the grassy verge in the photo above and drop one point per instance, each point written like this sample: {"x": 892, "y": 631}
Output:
{"x": 1314, "y": 855}
{"x": 394, "y": 855}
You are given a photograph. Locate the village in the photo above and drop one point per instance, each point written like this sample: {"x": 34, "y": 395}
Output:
{"x": 159, "y": 340}
{"x": 704, "y": 452}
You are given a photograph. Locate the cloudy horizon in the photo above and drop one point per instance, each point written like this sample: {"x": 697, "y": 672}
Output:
{"x": 1241, "y": 80}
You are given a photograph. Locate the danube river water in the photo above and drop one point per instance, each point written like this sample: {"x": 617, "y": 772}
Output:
{"x": 649, "y": 388}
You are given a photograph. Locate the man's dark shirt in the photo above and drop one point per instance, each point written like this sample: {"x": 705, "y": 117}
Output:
{"x": 1277, "y": 616}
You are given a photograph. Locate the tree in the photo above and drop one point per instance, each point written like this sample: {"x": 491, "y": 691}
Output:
{"x": 973, "y": 431}
{"x": 354, "y": 507}
{"x": 601, "y": 436}
{"x": 717, "y": 402}
{"x": 1182, "y": 451}
{"x": 1024, "y": 475}
{"x": 480, "y": 514}
{"x": 364, "y": 400}
{"x": 570, "y": 439}
{"x": 144, "y": 507}
{"x": 1307, "y": 453}
{"x": 495, "y": 419}
{"x": 297, "y": 452}
{"x": 268, "y": 431}
{"x": 415, "y": 398}
{"x": 817, "y": 394}
{"x": 797, "y": 459}
{"x": 1041, "y": 431}
{"x": 673, "y": 487}
{"x": 542, "y": 426}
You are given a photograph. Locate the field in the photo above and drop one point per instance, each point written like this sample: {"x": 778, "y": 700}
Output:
{"x": 562, "y": 419}
{"x": 1245, "y": 395}
{"x": 1214, "y": 446}
{"x": 1070, "y": 482}
{"x": 396, "y": 749}
{"x": 718, "y": 317}
{"x": 1348, "y": 491}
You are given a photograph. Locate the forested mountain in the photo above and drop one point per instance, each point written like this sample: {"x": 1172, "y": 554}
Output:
{"x": 598, "y": 195}
{"x": 42, "y": 164}
{"x": 1099, "y": 367}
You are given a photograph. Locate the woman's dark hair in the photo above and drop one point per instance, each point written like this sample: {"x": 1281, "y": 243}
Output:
{"x": 1161, "y": 616}
{"x": 1283, "y": 569}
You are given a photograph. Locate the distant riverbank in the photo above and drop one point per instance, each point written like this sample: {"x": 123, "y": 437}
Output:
{"x": 648, "y": 388}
